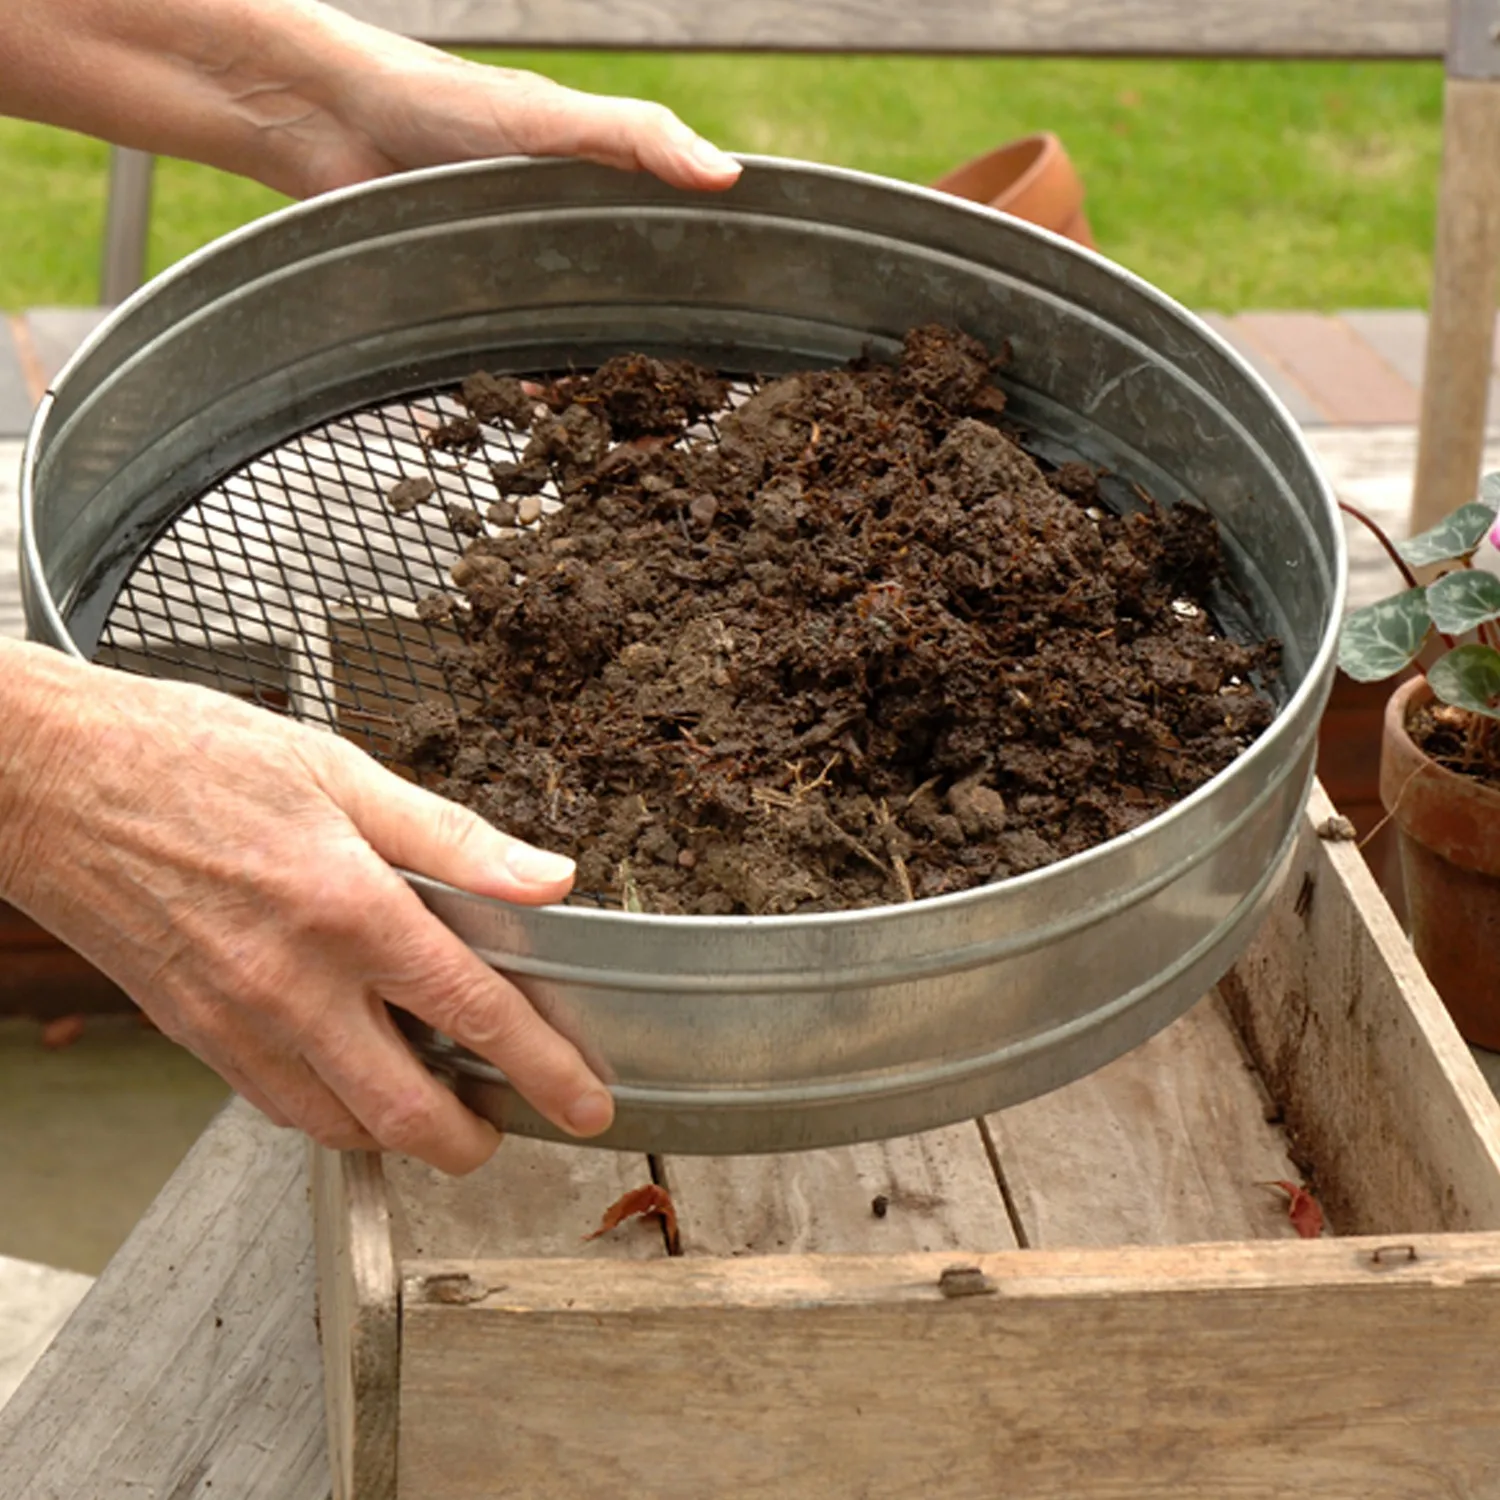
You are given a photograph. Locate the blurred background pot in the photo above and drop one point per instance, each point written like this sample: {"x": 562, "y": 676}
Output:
{"x": 1032, "y": 178}
{"x": 1450, "y": 862}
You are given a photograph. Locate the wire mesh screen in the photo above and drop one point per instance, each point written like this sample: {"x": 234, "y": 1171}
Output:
{"x": 295, "y": 583}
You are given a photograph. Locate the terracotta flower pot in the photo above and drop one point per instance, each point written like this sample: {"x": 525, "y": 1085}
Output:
{"x": 1031, "y": 178}
{"x": 1450, "y": 861}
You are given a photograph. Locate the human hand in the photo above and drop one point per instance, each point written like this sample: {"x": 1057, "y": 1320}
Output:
{"x": 232, "y": 872}
{"x": 305, "y": 98}
{"x": 391, "y": 104}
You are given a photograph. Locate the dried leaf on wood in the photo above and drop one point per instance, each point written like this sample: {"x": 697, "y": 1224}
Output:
{"x": 1305, "y": 1212}
{"x": 640, "y": 1203}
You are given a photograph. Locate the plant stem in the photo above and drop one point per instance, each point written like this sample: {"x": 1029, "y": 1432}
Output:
{"x": 1395, "y": 557}
{"x": 1385, "y": 541}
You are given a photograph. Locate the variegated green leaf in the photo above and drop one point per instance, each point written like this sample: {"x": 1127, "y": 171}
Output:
{"x": 1383, "y": 639}
{"x": 1489, "y": 492}
{"x": 1463, "y": 601}
{"x": 1453, "y": 537}
{"x": 1469, "y": 677}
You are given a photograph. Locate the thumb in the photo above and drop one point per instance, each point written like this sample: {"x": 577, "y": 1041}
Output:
{"x": 431, "y": 836}
{"x": 628, "y": 133}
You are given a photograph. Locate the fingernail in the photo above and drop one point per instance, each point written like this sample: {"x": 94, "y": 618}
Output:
{"x": 590, "y": 1113}
{"x": 711, "y": 159}
{"x": 537, "y": 865}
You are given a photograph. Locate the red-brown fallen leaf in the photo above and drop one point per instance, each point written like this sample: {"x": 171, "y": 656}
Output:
{"x": 640, "y": 1203}
{"x": 62, "y": 1032}
{"x": 1305, "y": 1212}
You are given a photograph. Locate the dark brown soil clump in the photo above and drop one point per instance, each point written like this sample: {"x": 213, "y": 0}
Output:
{"x": 1459, "y": 740}
{"x": 861, "y": 650}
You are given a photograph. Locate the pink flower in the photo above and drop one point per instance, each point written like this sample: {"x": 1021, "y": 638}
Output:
{"x": 1495, "y": 534}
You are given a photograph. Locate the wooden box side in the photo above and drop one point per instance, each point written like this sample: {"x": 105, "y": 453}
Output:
{"x": 358, "y": 1321}
{"x": 1379, "y": 1090}
{"x": 1196, "y": 1168}
{"x": 1346, "y": 1369}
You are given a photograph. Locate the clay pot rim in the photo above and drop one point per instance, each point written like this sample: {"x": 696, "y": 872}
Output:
{"x": 1415, "y": 693}
{"x": 1044, "y": 147}
{"x": 1453, "y": 815}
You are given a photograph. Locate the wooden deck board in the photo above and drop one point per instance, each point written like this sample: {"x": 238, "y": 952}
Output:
{"x": 939, "y": 1192}
{"x": 531, "y": 1198}
{"x": 1170, "y": 1144}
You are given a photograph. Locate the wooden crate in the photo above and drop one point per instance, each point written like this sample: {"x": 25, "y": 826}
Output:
{"x": 1140, "y": 1319}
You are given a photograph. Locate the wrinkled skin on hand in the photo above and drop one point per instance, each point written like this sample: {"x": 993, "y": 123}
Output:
{"x": 232, "y": 872}
{"x": 304, "y": 98}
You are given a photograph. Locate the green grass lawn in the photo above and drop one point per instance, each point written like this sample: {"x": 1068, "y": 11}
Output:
{"x": 1229, "y": 185}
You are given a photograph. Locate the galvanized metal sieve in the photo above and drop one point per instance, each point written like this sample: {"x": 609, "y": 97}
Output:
{"x": 204, "y": 492}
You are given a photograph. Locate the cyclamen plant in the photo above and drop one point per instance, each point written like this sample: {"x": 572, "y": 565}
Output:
{"x": 1386, "y": 638}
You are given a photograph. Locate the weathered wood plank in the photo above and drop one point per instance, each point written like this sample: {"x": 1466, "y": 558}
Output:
{"x": 1291, "y": 28}
{"x": 533, "y": 1198}
{"x": 1460, "y": 328}
{"x": 359, "y": 1321}
{"x": 1254, "y": 1371}
{"x": 1168, "y": 1145}
{"x": 1352, "y": 1040}
{"x": 940, "y": 1193}
{"x": 192, "y": 1368}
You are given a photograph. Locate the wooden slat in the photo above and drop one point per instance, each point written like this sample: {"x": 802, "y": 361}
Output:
{"x": 1460, "y": 331}
{"x": 939, "y": 1189}
{"x": 1253, "y": 1371}
{"x": 1290, "y": 28}
{"x": 358, "y": 1321}
{"x": 192, "y": 1368}
{"x": 1168, "y": 1145}
{"x": 533, "y": 1198}
{"x": 1379, "y": 1089}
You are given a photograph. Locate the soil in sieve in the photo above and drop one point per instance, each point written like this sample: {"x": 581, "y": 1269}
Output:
{"x": 861, "y": 649}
